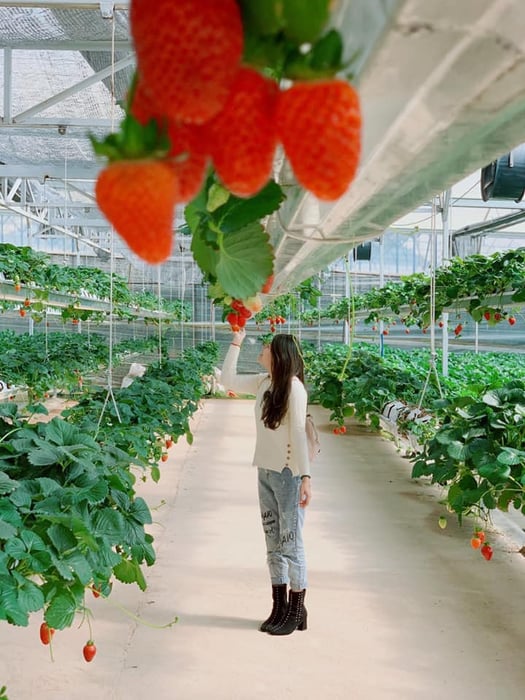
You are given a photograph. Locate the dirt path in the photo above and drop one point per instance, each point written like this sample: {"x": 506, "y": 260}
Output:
{"x": 398, "y": 609}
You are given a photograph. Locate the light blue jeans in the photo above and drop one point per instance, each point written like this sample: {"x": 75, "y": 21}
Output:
{"x": 283, "y": 521}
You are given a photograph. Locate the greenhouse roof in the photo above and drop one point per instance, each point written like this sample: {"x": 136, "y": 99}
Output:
{"x": 442, "y": 87}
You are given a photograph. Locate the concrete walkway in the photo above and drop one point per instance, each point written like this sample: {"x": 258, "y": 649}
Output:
{"x": 398, "y": 609}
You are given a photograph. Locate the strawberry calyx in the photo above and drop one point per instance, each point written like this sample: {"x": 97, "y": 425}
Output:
{"x": 134, "y": 141}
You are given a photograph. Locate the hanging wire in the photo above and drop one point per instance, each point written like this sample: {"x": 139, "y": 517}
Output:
{"x": 432, "y": 369}
{"x": 110, "y": 393}
{"x": 159, "y": 301}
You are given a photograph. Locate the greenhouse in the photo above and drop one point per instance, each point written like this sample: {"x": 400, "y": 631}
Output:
{"x": 262, "y": 260}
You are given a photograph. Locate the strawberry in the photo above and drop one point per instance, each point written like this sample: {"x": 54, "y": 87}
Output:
{"x": 46, "y": 633}
{"x": 233, "y": 319}
{"x": 319, "y": 125}
{"x": 138, "y": 198}
{"x": 189, "y": 156}
{"x": 512, "y": 320}
{"x": 89, "y": 651}
{"x": 487, "y": 552}
{"x": 187, "y": 150}
{"x": 187, "y": 54}
{"x": 268, "y": 284}
{"x": 458, "y": 329}
{"x": 487, "y": 315}
{"x": 242, "y": 137}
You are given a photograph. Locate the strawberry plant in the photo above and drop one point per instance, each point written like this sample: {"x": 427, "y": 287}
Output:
{"x": 478, "y": 453}
{"x": 476, "y": 280}
{"x": 70, "y": 518}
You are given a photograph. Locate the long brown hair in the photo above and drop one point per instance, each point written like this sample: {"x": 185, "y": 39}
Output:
{"x": 287, "y": 363}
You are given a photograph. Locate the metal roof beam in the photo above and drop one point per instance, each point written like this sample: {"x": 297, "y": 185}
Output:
{"x": 71, "y": 45}
{"x": 106, "y": 7}
{"x": 74, "y": 89}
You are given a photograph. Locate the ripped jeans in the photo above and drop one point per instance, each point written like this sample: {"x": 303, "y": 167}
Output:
{"x": 283, "y": 521}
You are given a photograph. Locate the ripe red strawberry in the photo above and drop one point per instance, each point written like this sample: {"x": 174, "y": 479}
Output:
{"x": 458, "y": 329}
{"x": 187, "y": 54}
{"x": 487, "y": 315}
{"x": 487, "y": 552}
{"x": 89, "y": 650}
{"x": 46, "y": 633}
{"x": 242, "y": 137}
{"x": 268, "y": 284}
{"x": 187, "y": 150}
{"x": 189, "y": 156}
{"x": 138, "y": 198}
{"x": 512, "y": 320}
{"x": 319, "y": 125}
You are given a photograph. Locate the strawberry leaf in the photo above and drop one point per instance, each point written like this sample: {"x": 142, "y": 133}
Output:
{"x": 61, "y": 611}
{"x": 245, "y": 261}
{"x": 239, "y": 212}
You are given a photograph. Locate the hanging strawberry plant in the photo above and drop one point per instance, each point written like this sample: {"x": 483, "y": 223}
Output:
{"x": 483, "y": 285}
{"x": 478, "y": 454}
{"x": 70, "y": 519}
{"x": 202, "y": 125}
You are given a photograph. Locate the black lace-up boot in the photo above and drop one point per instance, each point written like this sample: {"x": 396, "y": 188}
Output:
{"x": 295, "y": 617}
{"x": 280, "y": 602}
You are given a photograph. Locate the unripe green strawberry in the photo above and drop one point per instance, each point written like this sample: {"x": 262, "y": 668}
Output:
{"x": 301, "y": 24}
{"x": 242, "y": 137}
{"x": 319, "y": 125}
{"x": 138, "y": 198}
{"x": 187, "y": 54}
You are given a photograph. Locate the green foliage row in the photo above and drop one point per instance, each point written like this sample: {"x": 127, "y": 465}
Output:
{"x": 477, "y": 278}
{"x": 70, "y": 518}
{"x": 478, "y": 453}
{"x": 25, "y": 266}
{"x": 56, "y": 361}
{"x": 475, "y": 446}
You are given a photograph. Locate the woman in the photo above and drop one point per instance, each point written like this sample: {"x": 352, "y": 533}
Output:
{"x": 281, "y": 455}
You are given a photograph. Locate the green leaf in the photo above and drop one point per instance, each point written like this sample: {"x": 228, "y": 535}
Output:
{"x": 30, "y": 596}
{"x": 457, "y": 450}
{"x": 245, "y": 261}
{"x": 6, "y": 530}
{"x": 96, "y": 493}
{"x": 217, "y": 196}
{"x": 130, "y": 572}
{"x": 80, "y": 566}
{"x": 48, "y": 486}
{"x": 140, "y": 511}
{"x": 109, "y": 523}
{"x": 44, "y": 456}
{"x": 205, "y": 256}
{"x": 7, "y": 484}
{"x": 491, "y": 398}
{"x": 61, "y": 611}
{"x": 511, "y": 456}
{"x": 494, "y": 473}
{"x": 15, "y": 548}
{"x": 239, "y": 212}
{"x": 10, "y": 608}
{"x": 62, "y": 538}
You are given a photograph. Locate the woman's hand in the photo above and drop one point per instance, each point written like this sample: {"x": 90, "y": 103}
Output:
{"x": 239, "y": 336}
{"x": 305, "y": 492}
